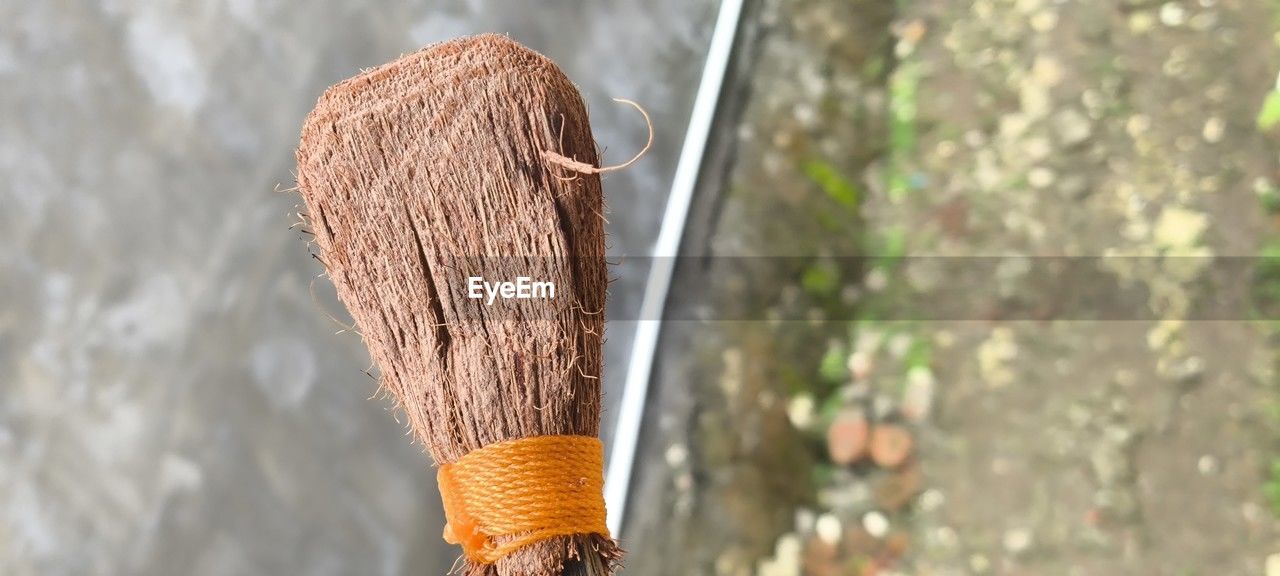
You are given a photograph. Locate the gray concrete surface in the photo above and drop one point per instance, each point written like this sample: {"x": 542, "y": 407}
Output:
{"x": 173, "y": 400}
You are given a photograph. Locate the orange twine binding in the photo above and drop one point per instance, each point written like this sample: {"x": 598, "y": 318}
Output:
{"x": 511, "y": 494}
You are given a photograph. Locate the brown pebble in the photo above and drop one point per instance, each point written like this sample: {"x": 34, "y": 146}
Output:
{"x": 895, "y": 546}
{"x": 820, "y": 559}
{"x": 894, "y": 492}
{"x": 858, "y": 542}
{"x": 847, "y": 437}
{"x": 891, "y": 445}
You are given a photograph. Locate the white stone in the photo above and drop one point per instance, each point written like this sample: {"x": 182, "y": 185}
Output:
{"x": 1034, "y": 98}
{"x": 1073, "y": 127}
{"x": 1213, "y": 130}
{"x": 932, "y": 500}
{"x": 1179, "y": 228}
{"x": 676, "y": 455}
{"x": 995, "y": 355}
{"x": 1017, "y": 541}
{"x": 917, "y": 398}
{"x": 1273, "y": 565}
{"x": 1046, "y": 70}
{"x": 1038, "y": 148}
{"x": 877, "y": 280}
{"x": 805, "y": 520}
{"x": 1044, "y": 21}
{"x": 1013, "y": 126}
{"x": 1141, "y": 22}
{"x": 1137, "y": 125}
{"x": 979, "y": 563}
{"x": 1207, "y": 465}
{"x": 860, "y": 365}
{"x": 1173, "y": 14}
{"x": 800, "y": 411}
{"x": 786, "y": 558}
{"x": 829, "y": 529}
{"x": 945, "y": 537}
{"x": 1041, "y": 177}
{"x": 875, "y": 524}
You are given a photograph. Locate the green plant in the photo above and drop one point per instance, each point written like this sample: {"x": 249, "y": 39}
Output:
{"x": 833, "y": 368}
{"x": 1266, "y": 280}
{"x": 1269, "y": 116}
{"x": 819, "y": 279}
{"x": 832, "y": 182}
{"x": 920, "y": 355}
{"x": 1269, "y": 196}
{"x": 1271, "y": 488}
{"x": 903, "y": 86}
{"x": 889, "y": 249}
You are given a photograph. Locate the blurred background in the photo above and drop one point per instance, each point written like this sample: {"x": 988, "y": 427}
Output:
{"x": 969, "y": 288}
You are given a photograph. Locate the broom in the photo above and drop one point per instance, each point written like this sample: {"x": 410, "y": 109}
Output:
{"x": 474, "y": 159}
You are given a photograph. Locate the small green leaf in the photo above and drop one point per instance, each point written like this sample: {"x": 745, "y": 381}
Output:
{"x": 1270, "y": 199}
{"x": 819, "y": 280}
{"x": 1270, "y": 114}
{"x": 920, "y": 355}
{"x": 832, "y": 182}
{"x": 834, "y": 368}
{"x": 890, "y": 248}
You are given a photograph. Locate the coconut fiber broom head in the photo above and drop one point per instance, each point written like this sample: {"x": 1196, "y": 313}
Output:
{"x": 454, "y": 162}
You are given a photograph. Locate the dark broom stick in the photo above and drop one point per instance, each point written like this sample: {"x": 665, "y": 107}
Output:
{"x": 456, "y": 161}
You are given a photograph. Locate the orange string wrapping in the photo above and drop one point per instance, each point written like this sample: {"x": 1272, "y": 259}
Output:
{"x": 511, "y": 494}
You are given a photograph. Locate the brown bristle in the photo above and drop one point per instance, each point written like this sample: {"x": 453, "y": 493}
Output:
{"x": 428, "y": 170}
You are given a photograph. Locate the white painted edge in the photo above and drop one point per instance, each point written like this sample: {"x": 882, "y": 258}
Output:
{"x": 626, "y": 433}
